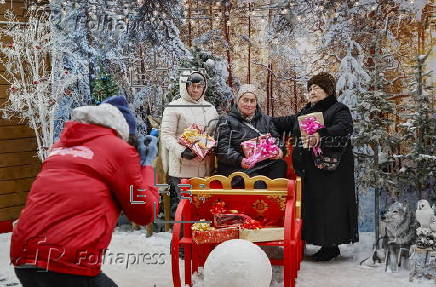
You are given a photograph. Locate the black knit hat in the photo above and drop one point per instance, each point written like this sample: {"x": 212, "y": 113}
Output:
{"x": 325, "y": 81}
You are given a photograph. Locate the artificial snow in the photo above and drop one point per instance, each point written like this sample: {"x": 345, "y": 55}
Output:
{"x": 237, "y": 263}
{"x": 145, "y": 270}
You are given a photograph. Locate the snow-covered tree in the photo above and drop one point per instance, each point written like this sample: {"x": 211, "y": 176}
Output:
{"x": 34, "y": 66}
{"x": 153, "y": 51}
{"x": 419, "y": 132}
{"x": 353, "y": 77}
{"x": 130, "y": 40}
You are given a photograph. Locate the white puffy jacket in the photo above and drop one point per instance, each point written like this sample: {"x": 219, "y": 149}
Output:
{"x": 178, "y": 116}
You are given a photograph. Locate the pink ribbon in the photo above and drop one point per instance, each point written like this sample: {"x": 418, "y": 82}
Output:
{"x": 263, "y": 149}
{"x": 311, "y": 125}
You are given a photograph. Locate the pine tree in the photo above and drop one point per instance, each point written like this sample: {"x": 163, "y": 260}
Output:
{"x": 103, "y": 86}
{"x": 418, "y": 132}
{"x": 373, "y": 139}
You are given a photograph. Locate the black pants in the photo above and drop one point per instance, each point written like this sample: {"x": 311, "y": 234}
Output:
{"x": 175, "y": 195}
{"x": 35, "y": 277}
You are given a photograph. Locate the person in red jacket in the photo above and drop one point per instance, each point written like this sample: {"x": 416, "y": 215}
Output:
{"x": 90, "y": 175}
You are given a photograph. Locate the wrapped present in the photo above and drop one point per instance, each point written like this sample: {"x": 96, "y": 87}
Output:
{"x": 229, "y": 219}
{"x": 197, "y": 140}
{"x": 213, "y": 235}
{"x": 259, "y": 149}
{"x": 309, "y": 125}
{"x": 262, "y": 234}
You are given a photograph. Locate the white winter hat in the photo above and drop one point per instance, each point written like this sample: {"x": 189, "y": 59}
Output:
{"x": 250, "y": 88}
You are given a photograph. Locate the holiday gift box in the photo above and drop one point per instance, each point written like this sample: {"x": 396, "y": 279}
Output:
{"x": 197, "y": 140}
{"x": 229, "y": 219}
{"x": 215, "y": 236}
{"x": 262, "y": 234}
{"x": 310, "y": 123}
{"x": 259, "y": 149}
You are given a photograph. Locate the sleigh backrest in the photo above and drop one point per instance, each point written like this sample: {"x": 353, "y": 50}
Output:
{"x": 265, "y": 205}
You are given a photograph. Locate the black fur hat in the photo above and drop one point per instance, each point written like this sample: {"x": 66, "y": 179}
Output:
{"x": 325, "y": 81}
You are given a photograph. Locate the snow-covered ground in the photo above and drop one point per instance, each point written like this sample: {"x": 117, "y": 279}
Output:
{"x": 154, "y": 269}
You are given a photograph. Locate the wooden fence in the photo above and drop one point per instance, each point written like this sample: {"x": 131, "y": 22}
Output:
{"x": 18, "y": 162}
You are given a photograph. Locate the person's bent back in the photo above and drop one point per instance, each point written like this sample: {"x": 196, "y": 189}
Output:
{"x": 91, "y": 174}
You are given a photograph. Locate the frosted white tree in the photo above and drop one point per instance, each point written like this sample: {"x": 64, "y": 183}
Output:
{"x": 353, "y": 77}
{"x": 137, "y": 42}
{"x": 33, "y": 61}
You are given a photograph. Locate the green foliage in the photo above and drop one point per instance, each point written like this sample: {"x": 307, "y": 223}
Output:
{"x": 103, "y": 86}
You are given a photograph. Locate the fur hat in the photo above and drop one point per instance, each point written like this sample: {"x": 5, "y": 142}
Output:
{"x": 249, "y": 88}
{"x": 123, "y": 106}
{"x": 325, "y": 81}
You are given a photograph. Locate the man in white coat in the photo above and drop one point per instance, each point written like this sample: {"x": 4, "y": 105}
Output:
{"x": 191, "y": 108}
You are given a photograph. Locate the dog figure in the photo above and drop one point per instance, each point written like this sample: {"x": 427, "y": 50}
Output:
{"x": 400, "y": 234}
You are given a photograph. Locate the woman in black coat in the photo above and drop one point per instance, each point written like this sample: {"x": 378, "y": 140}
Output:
{"x": 245, "y": 122}
{"x": 329, "y": 202}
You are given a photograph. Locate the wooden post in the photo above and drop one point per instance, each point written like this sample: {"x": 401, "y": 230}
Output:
{"x": 211, "y": 22}
{"x": 249, "y": 45}
{"x": 271, "y": 88}
{"x": 226, "y": 16}
{"x": 189, "y": 24}
{"x": 267, "y": 91}
{"x": 295, "y": 94}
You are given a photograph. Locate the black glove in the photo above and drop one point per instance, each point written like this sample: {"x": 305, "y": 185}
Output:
{"x": 188, "y": 154}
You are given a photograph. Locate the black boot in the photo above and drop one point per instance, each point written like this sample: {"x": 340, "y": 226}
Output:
{"x": 329, "y": 254}
{"x": 319, "y": 253}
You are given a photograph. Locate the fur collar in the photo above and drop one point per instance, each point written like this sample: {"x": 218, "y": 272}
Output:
{"x": 320, "y": 106}
{"x": 104, "y": 115}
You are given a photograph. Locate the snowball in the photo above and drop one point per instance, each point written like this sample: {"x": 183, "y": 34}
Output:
{"x": 237, "y": 263}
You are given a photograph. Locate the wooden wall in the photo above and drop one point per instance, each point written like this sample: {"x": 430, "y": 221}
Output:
{"x": 18, "y": 164}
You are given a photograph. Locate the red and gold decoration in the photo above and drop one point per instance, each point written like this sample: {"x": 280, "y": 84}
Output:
{"x": 227, "y": 225}
{"x": 203, "y": 233}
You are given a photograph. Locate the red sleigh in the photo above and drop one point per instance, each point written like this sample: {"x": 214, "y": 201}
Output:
{"x": 280, "y": 202}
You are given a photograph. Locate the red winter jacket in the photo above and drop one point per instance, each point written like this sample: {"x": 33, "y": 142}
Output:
{"x": 89, "y": 177}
